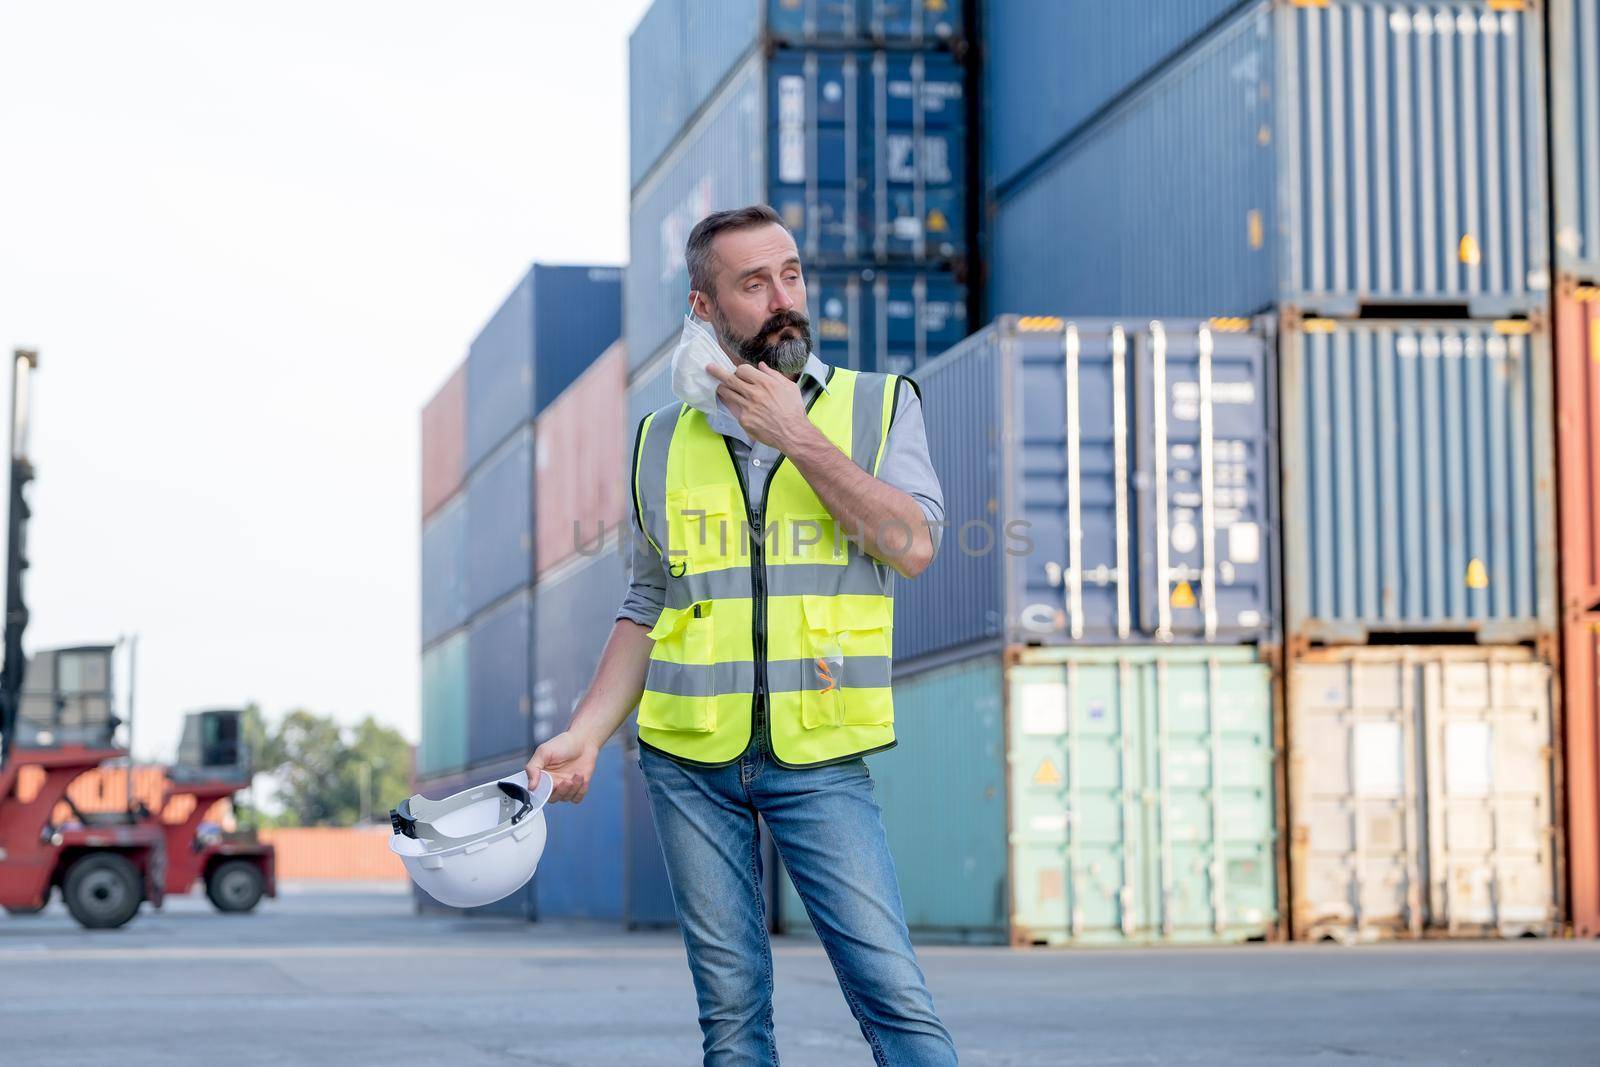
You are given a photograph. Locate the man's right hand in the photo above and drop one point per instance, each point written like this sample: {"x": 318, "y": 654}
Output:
{"x": 569, "y": 759}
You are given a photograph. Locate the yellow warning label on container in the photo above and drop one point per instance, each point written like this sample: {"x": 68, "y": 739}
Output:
{"x": 933, "y": 5}
{"x": 1467, "y": 251}
{"x": 1258, "y": 230}
{"x": 937, "y": 222}
{"x": 1047, "y": 774}
{"x": 1477, "y": 575}
{"x": 1183, "y": 595}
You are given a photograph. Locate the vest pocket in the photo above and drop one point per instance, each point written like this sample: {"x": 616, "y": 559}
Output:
{"x": 679, "y": 689}
{"x": 846, "y": 682}
{"x": 702, "y": 531}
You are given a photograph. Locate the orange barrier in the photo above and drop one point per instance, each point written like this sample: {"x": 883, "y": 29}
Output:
{"x": 335, "y": 853}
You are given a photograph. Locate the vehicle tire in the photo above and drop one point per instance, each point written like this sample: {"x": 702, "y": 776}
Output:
{"x": 103, "y": 890}
{"x": 235, "y": 885}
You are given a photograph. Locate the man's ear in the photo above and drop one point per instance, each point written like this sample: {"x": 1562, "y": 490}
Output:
{"x": 699, "y": 305}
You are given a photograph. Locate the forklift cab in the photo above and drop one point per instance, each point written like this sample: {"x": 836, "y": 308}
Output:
{"x": 214, "y": 763}
{"x": 65, "y": 727}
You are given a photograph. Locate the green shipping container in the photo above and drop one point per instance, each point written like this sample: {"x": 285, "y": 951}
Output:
{"x": 444, "y": 708}
{"x": 1134, "y": 786}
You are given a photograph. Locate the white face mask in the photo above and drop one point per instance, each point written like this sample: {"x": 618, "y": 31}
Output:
{"x": 697, "y": 349}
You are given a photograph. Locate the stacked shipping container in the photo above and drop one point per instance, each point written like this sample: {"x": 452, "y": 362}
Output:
{"x": 849, "y": 119}
{"x": 1380, "y": 164}
{"x": 1111, "y": 493}
{"x": 1357, "y": 154}
{"x": 505, "y": 478}
{"x": 1575, "y": 156}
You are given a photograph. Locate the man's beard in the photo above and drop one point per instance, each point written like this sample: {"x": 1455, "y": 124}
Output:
{"x": 786, "y": 355}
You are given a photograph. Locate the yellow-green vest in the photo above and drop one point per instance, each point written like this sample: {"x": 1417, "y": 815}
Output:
{"x": 778, "y": 602}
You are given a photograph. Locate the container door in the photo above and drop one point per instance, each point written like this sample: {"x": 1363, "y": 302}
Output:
{"x": 1354, "y": 772}
{"x": 1489, "y": 800}
{"x": 1072, "y": 579}
{"x": 1205, "y": 477}
{"x": 816, "y": 119}
{"x": 917, "y": 154}
{"x": 1209, "y": 838}
{"x": 1076, "y": 804}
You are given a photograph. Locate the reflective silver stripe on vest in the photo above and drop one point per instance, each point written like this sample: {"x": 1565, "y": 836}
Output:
{"x": 866, "y": 420}
{"x": 651, "y": 474}
{"x": 783, "y": 676}
{"x": 860, "y": 575}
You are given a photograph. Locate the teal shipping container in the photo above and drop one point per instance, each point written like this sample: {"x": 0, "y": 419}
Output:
{"x": 1084, "y": 796}
{"x": 444, "y": 707}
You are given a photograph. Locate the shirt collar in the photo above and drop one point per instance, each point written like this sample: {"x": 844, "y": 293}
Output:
{"x": 725, "y": 424}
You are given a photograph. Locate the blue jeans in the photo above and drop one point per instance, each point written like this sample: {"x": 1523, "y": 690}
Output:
{"x": 829, "y": 833}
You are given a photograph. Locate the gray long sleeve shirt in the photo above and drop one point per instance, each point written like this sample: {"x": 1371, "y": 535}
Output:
{"x": 905, "y": 465}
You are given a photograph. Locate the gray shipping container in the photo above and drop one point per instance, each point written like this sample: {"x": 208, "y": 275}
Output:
{"x": 1356, "y": 154}
{"x": 1418, "y": 476}
{"x": 1081, "y": 509}
{"x": 574, "y": 609}
{"x": 1575, "y": 134}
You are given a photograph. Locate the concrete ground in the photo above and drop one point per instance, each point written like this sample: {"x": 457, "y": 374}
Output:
{"x": 352, "y": 977}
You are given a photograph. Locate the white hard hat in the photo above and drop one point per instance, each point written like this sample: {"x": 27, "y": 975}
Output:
{"x": 476, "y": 846}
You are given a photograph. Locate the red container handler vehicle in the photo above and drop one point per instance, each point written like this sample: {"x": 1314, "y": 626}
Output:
{"x": 104, "y": 871}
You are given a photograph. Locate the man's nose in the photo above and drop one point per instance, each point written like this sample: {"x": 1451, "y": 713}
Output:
{"x": 781, "y": 300}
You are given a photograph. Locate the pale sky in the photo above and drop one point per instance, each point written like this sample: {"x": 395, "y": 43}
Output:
{"x": 249, "y": 241}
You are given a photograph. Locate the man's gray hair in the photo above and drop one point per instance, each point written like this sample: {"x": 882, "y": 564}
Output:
{"x": 697, "y": 253}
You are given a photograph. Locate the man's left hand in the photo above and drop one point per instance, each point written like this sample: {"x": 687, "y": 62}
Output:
{"x": 767, "y": 404}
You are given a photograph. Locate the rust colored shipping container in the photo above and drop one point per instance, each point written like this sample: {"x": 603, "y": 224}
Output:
{"x": 583, "y": 441}
{"x": 1577, "y": 315}
{"x": 444, "y": 441}
{"x": 335, "y": 853}
{"x": 1580, "y": 664}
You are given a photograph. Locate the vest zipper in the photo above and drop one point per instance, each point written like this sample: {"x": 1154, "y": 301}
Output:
{"x": 758, "y": 578}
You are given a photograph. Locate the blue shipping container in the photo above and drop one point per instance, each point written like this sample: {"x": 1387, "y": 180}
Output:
{"x": 444, "y": 570}
{"x": 1362, "y": 153}
{"x": 682, "y": 50}
{"x": 551, "y": 327}
{"x": 647, "y": 896}
{"x": 574, "y": 609}
{"x": 500, "y": 687}
{"x": 580, "y": 875}
{"x": 1418, "y": 471}
{"x": 1050, "y": 66}
{"x": 891, "y": 321}
{"x": 500, "y": 523}
{"x": 1103, "y": 482}
{"x": 861, "y": 152}
{"x": 1575, "y": 134}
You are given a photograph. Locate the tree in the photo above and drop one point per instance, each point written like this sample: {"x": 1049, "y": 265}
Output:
{"x": 326, "y": 776}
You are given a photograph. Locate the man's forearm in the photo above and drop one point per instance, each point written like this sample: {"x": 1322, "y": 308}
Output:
{"x": 887, "y": 523}
{"x": 617, "y": 684}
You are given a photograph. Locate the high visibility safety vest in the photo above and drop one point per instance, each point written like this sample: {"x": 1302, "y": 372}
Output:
{"x": 766, "y": 600}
